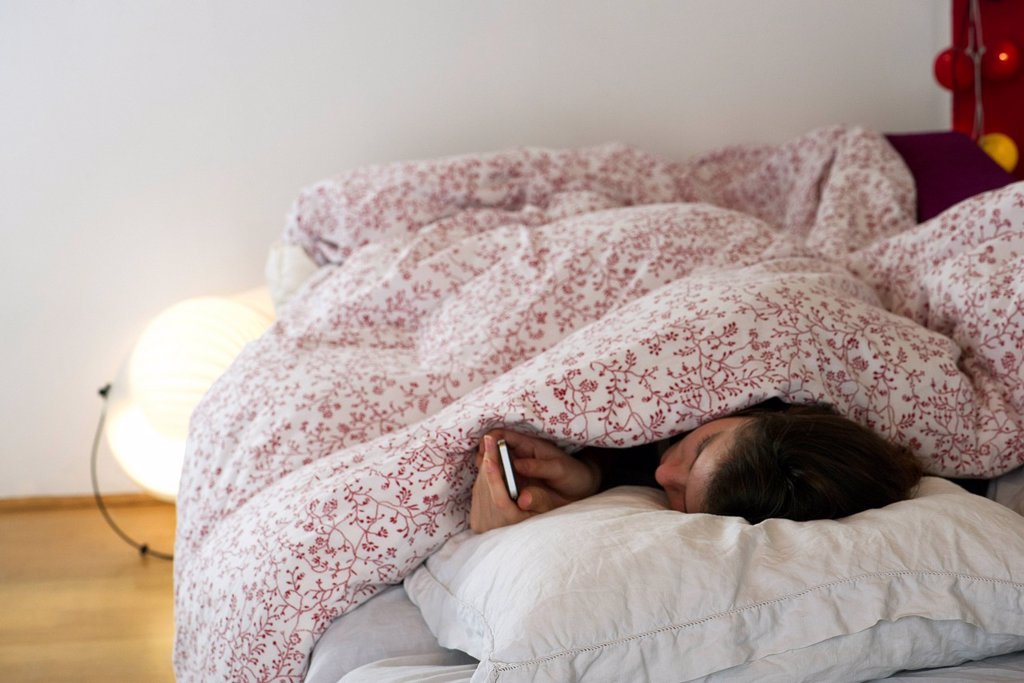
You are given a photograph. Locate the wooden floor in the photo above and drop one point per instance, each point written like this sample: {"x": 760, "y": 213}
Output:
{"x": 78, "y": 603}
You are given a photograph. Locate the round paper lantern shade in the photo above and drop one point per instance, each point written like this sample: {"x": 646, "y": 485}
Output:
{"x": 1001, "y": 61}
{"x": 175, "y": 361}
{"x": 954, "y": 70}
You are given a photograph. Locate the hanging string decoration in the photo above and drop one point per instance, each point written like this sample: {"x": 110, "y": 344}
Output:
{"x": 967, "y": 68}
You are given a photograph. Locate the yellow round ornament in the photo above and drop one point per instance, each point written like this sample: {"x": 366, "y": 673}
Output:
{"x": 1001, "y": 148}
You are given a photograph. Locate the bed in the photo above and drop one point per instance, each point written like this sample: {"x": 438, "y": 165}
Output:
{"x": 607, "y": 296}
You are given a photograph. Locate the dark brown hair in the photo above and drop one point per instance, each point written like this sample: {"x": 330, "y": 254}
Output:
{"x": 808, "y": 462}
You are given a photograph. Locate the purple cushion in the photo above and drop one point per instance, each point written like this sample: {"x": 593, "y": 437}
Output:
{"x": 948, "y": 167}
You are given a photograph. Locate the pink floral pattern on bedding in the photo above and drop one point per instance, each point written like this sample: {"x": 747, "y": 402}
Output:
{"x": 599, "y": 296}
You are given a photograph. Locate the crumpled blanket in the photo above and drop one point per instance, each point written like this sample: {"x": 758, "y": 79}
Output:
{"x": 601, "y": 296}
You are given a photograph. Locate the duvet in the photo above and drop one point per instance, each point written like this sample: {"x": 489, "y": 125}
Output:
{"x": 601, "y": 296}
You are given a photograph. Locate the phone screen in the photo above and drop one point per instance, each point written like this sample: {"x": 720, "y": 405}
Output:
{"x": 507, "y": 473}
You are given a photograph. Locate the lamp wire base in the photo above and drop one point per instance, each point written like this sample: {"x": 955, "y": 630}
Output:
{"x": 143, "y": 548}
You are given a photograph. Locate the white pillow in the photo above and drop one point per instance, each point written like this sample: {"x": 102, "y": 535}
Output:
{"x": 287, "y": 268}
{"x": 616, "y": 587}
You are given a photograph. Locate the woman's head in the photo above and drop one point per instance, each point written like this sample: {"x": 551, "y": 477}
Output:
{"x": 806, "y": 462}
{"x": 688, "y": 466}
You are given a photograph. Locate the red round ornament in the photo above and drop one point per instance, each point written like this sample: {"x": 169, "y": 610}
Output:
{"x": 954, "y": 70}
{"x": 1001, "y": 61}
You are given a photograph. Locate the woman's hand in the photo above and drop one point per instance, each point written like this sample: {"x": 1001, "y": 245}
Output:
{"x": 491, "y": 507}
{"x": 548, "y": 478}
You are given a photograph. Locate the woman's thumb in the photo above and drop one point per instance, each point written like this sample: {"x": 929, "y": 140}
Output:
{"x": 535, "y": 499}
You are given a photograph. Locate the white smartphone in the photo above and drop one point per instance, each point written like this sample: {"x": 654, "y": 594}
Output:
{"x": 507, "y": 473}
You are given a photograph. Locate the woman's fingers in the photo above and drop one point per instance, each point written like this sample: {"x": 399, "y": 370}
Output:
{"x": 521, "y": 445}
{"x": 538, "y": 468}
{"x": 491, "y": 469}
{"x": 526, "y": 445}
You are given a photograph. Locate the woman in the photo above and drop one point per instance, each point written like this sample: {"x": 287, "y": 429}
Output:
{"x": 774, "y": 460}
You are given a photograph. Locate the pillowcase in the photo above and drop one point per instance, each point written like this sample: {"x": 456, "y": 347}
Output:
{"x": 616, "y": 584}
{"x": 948, "y": 167}
{"x": 286, "y": 270}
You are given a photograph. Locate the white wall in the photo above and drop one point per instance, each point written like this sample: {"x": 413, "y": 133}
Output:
{"x": 149, "y": 149}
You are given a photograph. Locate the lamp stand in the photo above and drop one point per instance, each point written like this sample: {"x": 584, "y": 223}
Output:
{"x": 143, "y": 548}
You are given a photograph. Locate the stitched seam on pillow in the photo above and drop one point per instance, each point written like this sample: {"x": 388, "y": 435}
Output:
{"x": 464, "y": 603}
{"x": 510, "y": 666}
